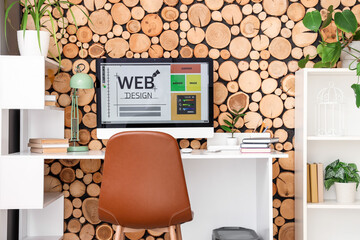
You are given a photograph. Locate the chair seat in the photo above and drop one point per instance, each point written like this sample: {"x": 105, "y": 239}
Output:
{"x": 143, "y": 184}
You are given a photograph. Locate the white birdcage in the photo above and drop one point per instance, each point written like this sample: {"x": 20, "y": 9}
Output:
{"x": 330, "y": 112}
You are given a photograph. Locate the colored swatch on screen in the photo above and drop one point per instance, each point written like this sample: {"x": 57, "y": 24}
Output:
{"x": 177, "y": 83}
{"x": 185, "y": 68}
{"x": 193, "y": 82}
{"x": 186, "y": 104}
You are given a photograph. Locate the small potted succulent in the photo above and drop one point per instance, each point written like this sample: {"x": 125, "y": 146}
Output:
{"x": 230, "y": 125}
{"x": 330, "y": 51}
{"x": 36, "y": 42}
{"x": 346, "y": 178}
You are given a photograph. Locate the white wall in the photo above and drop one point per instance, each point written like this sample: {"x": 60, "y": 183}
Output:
{"x": 3, "y": 213}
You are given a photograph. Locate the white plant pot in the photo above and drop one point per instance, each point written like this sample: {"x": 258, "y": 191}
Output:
{"x": 345, "y": 192}
{"x": 347, "y": 59}
{"x": 29, "y": 45}
{"x": 232, "y": 141}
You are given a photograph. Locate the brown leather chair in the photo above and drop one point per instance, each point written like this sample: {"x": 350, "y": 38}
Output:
{"x": 143, "y": 184}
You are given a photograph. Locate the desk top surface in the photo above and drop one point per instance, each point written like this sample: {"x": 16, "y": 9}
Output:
{"x": 195, "y": 154}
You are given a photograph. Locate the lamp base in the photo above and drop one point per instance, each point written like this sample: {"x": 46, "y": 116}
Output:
{"x": 78, "y": 149}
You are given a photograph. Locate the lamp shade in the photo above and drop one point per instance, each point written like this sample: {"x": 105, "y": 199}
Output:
{"x": 81, "y": 81}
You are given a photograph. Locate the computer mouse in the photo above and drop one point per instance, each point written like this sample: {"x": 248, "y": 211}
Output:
{"x": 186, "y": 150}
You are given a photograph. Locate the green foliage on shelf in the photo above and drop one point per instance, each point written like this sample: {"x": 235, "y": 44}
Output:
{"x": 37, "y": 9}
{"x": 341, "y": 172}
{"x": 329, "y": 53}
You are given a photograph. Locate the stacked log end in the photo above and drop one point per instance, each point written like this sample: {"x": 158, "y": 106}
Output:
{"x": 255, "y": 46}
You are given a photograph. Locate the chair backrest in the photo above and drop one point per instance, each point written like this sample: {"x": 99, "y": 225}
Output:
{"x": 143, "y": 183}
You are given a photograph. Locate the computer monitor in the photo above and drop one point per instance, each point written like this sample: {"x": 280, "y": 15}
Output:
{"x": 174, "y": 96}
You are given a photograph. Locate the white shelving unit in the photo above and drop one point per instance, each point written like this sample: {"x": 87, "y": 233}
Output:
{"x": 328, "y": 220}
{"x": 22, "y": 86}
{"x": 340, "y": 138}
{"x": 332, "y": 204}
{"x": 45, "y": 223}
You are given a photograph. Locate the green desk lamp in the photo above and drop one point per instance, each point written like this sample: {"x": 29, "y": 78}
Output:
{"x": 78, "y": 81}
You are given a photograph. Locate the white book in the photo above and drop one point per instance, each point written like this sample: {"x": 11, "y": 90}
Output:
{"x": 254, "y": 145}
{"x": 48, "y": 150}
{"x": 260, "y": 140}
{"x": 50, "y": 98}
{"x": 54, "y": 145}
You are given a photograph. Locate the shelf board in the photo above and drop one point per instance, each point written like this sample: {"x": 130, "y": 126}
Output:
{"x": 53, "y": 108}
{"x": 51, "y": 64}
{"x": 329, "y": 138}
{"x": 50, "y": 197}
{"x": 92, "y": 154}
{"x": 332, "y": 204}
{"x": 43, "y": 238}
{"x": 332, "y": 71}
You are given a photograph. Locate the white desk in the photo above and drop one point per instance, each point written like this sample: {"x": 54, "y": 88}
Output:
{"x": 195, "y": 154}
{"x": 226, "y": 188}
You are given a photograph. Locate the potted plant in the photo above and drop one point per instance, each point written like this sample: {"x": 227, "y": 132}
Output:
{"x": 36, "y": 42}
{"x": 230, "y": 125}
{"x": 346, "y": 179}
{"x": 330, "y": 52}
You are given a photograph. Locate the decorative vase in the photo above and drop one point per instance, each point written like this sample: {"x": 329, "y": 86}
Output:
{"x": 231, "y": 141}
{"x": 345, "y": 192}
{"x": 346, "y": 58}
{"x": 29, "y": 44}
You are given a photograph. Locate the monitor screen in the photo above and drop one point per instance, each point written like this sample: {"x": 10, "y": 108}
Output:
{"x": 143, "y": 93}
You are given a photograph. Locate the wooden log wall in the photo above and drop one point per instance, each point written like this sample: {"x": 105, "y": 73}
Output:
{"x": 255, "y": 44}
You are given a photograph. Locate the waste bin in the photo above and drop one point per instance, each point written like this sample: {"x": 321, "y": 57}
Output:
{"x": 234, "y": 233}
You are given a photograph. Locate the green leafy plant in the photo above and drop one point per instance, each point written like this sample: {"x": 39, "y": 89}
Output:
{"x": 37, "y": 9}
{"x": 329, "y": 52}
{"x": 341, "y": 172}
{"x": 234, "y": 117}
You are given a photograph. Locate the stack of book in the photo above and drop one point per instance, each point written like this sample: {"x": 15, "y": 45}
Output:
{"x": 315, "y": 182}
{"x": 50, "y": 100}
{"x": 257, "y": 145}
{"x": 48, "y": 145}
